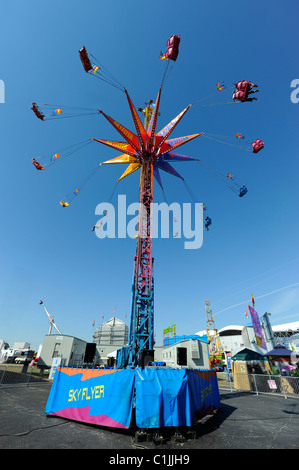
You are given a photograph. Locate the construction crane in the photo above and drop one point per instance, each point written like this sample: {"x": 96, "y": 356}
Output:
{"x": 214, "y": 344}
{"x": 51, "y": 320}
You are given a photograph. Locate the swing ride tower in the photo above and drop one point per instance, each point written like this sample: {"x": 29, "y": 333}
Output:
{"x": 194, "y": 393}
{"x": 141, "y": 340}
{"x": 150, "y": 152}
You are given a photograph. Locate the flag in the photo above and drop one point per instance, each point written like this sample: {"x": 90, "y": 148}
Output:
{"x": 246, "y": 313}
{"x": 93, "y": 323}
{"x": 252, "y": 300}
{"x": 257, "y": 328}
{"x": 220, "y": 86}
{"x": 170, "y": 329}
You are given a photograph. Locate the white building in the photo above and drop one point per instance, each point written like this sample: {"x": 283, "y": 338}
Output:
{"x": 21, "y": 345}
{"x": 2, "y": 344}
{"x": 69, "y": 349}
{"x": 190, "y": 353}
{"x": 230, "y": 337}
{"x": 109, "y": 337}
{"x": 233, "y": 337}
{"x": 112, "y": 332}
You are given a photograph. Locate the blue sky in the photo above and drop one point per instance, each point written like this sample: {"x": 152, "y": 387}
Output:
{"x": 50, "y": 253}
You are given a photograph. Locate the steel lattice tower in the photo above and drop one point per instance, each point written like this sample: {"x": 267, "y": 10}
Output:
{"x": 215, "y": 348}
{"x": 150, "y": 152}
{"x": 142, "y": 308}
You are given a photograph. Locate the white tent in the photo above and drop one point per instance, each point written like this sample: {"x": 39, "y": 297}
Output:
{"x": 112, "y": 354}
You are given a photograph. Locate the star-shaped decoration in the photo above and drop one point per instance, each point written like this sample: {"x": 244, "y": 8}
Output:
{"x": 147, "y": 144}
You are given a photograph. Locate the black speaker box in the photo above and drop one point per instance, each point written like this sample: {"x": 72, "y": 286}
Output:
{"x": 146, "y": 355}
{"x": 90, "y": 351}
{"x": 182, "y": 356}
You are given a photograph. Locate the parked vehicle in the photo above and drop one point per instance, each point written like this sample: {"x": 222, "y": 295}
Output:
{"x": 19, "y": 356}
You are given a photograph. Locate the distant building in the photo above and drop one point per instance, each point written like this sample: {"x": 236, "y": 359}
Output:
{"x": 3, "y": 344}
{"x": 112, "y": 332}
{"x": 234, "y": 337}
{"x": 21, "y": 345}
{"x": 71, "y": 350}
{"x": 169, "y": 340}
{"x": 189, "y": 353}
{"x": 288, "y": 334}
{"x": 230, "y": 337}
{"x": 109, "y": 337}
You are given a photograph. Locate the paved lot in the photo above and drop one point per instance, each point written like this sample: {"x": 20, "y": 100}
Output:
{"x": 245, "y": 421}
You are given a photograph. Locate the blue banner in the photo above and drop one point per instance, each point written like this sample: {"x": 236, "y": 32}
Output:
{"x": 93, "y": 396}
{"x": 164, "y": 397}
{"x": 174, "y": 397}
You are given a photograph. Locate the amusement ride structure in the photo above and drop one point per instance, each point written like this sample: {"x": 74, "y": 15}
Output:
{"x": 162, "y": 396}
{"x": 150, "y": 151}
{"x": 51, "y": 320}
{"x": 214, "y": 344}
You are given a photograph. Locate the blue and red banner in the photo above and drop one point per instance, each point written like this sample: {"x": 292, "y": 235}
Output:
{"x": 163, "y": 396}
{"x": 95, "y": 396}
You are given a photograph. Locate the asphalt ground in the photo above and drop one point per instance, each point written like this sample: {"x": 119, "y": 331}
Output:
{"x": 244, "y": 421}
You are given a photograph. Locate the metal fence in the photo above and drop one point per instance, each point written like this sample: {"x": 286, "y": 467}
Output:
{"x": 12, "y": 374}
{"x": 260, "y": 383}
{"x": 20, "y": 375}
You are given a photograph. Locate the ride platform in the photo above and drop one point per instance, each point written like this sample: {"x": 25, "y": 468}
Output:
{"x": 160, "y": 396}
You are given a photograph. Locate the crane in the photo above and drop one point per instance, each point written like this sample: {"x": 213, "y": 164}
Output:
{"x": 214, "y": 344}
{"x": 51, "y": 320}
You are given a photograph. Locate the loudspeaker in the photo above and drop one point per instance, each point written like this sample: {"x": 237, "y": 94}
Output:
{"x": 146, "y": 355}
{"x": 90, "y": 351}
{"x": 182, "y": 356}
